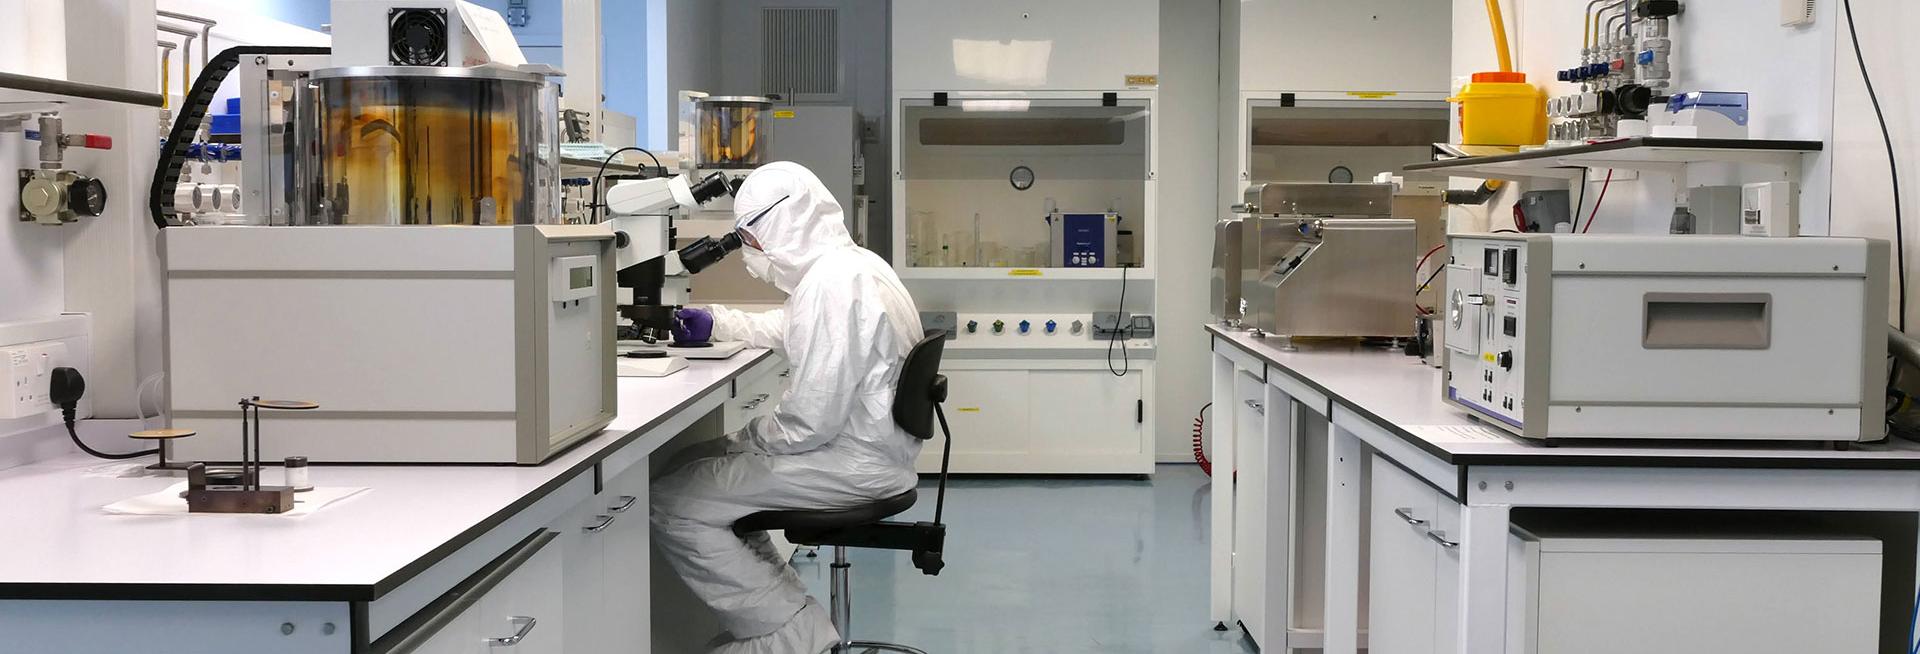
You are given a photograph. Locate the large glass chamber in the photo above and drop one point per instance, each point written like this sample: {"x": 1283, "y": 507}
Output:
{"x": 732, "y": 131}
{"x": 413, "y": 145}
{"x": 1024, "y": 183}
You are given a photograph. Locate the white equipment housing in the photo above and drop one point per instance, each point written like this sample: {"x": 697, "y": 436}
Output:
{"x": 467, "y": 34}
{"x": 473, "y": 344}
{"x": 1660, "y": 337}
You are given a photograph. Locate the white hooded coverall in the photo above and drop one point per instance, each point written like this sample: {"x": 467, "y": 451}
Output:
{"x": 830, "y": 443}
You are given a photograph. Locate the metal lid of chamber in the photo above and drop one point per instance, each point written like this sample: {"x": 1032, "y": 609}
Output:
{"x": 534, "y": 73}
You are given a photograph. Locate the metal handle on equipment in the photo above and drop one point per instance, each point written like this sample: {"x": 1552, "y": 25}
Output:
{"x": 626, "y": 502}
{"x": 1441, "y": 538}
{"x": 1257, "y": 407}
{"x": 605, "y": 521}
{"x": 526, "y": 623}
{"x": 1407, "y": 515}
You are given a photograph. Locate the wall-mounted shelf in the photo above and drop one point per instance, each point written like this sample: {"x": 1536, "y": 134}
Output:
{"x": 30, "y": 94}
{"x": 1651, "y": 154}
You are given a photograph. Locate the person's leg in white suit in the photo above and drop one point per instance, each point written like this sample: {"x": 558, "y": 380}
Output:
{"x": 761, "y": 602}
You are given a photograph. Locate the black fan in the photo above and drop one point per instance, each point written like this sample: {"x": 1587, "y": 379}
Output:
{"x": 417, "y": 37}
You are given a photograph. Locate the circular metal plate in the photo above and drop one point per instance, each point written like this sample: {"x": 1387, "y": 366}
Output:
{"x": 1021, "y": 178}
{"x": 289, "y": 405}
{"x": 162, "y": 434}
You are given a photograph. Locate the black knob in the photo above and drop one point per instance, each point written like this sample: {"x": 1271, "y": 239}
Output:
{"x": 1658, "y": 8}
{"x": 1632, "y": 101}
{"x": 87, "y": 196}
{"x": 1505, "y": 360}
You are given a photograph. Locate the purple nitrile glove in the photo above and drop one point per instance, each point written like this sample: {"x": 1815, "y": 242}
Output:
{"x": 692, "y": 326}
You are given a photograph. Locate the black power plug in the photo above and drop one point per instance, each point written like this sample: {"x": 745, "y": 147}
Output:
{"x": 65, "y": 390}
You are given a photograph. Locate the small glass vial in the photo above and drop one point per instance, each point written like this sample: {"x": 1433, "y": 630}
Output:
{"x": 297, "y": 474}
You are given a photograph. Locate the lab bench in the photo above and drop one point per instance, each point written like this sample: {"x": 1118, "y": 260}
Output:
{"x": 432, "y": 558}
{"x": 1350, "y": 475}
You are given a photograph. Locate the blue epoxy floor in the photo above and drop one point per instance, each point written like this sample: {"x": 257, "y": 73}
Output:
{"x": 1049, "y": 565}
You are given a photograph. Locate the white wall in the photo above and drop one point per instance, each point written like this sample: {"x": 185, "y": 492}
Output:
{"x": 693, "y": 34}
{"x": 1862, "y": 200}
{"x": 1190, "y": 81}
{"x": 30, "y": 254}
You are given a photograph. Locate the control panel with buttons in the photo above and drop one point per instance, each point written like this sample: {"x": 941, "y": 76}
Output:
{"x": 1483, "y": 311}
{"x": 1037, "y": 330}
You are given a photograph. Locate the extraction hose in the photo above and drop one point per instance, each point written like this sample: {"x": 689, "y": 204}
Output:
{"x": 1500, "y": 36}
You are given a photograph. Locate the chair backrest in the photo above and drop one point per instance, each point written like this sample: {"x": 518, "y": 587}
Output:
{"x": 921, "y": 386}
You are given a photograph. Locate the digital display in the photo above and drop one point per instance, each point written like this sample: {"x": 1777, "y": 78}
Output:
{"x": 579, "y": 278}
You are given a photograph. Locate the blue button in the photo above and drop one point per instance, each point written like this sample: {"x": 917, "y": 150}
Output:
{"x": 1025, "y": 326}
{"x": 1051, "y": 325}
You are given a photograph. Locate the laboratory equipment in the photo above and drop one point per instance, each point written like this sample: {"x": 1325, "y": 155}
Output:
{"x": 1326, "y": 260}
{"x": 1224, "y": 293}
{"x": 1557, "y": 336}
{"x": 1083, "y": 240}
{"x": 1707, "y": 115}
{"x": 52, "y": 194}
{"x": 489, "y": 342}
{"x": 1766, "y": 209}
{"x": 731, "y": 132}
{"x": 248, "y": 495}
{"x": 429, "y": 145}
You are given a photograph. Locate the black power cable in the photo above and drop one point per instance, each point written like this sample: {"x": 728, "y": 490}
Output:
{"x": 1120, "y": 332}
{"x": 597, "y": 197}
{"x": 1893, "y": 167}
{"x": 65, "y": 390}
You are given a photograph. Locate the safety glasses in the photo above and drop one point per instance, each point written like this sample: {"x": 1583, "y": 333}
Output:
{"x": 746, "y": 236}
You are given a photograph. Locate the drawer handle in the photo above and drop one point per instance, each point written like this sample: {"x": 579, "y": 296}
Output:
{"x": 1441, "y": 538}
{"x": 1407, "y": 515}
{"x": 760, "y": 398}
{"x": 526, "y": 623}
{"x": 1257, "y": 407}
{"x": 626, "y": 502}
{"x": 605, "y": 521}
{"x": 786, "y": 373}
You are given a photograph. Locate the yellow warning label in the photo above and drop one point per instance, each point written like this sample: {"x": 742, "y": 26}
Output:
{"x": 1143, "y": 80}
{"x": 968, "y": 409}
{"x": 1488, "y": 356}
{"x": 1024, "y": 272}
{"x": 1372, "y": 95}
{"x": 783, "y": 113}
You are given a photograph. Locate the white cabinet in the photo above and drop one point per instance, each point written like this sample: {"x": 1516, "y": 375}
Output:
{"x": 754, "y": 396}
{"x": 1251, "y": 542}
{"x": 1278, "y": 37}
{"x": 1046, "y": 419}
{"x": 941, "y": 45}
{"x": 604, "y": 544}
{"x": 514, "y": 605}
{"x": 1414, "y": 568}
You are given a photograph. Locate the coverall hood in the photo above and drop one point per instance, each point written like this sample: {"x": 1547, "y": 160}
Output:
{"x": 793, "y": 216}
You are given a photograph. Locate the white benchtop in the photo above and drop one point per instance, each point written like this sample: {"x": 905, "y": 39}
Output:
{"x": 60, "y": 545}
{"x": 1401, "y": 395}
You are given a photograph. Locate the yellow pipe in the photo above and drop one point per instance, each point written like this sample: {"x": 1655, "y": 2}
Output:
{"x": 1500, "y": 36}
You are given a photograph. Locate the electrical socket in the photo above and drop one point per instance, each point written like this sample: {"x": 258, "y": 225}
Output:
{"x": 25, "y": 374}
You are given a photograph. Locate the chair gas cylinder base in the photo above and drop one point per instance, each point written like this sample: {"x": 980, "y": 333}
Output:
{"x": 916, "y": 406}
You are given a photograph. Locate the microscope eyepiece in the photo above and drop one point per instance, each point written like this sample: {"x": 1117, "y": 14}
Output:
{"x": 703, "y": 253}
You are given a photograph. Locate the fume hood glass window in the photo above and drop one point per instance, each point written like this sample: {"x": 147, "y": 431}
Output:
{"x": 1017, "y": 183}
{"x": 1340, "y": 142}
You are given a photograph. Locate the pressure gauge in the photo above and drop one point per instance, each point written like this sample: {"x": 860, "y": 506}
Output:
{"x": 1340, "y": 175}
{"x": 86, "y": 196}
{"x": 1021, "y": 178}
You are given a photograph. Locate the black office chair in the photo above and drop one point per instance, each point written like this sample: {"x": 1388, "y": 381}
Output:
{"x": 916, "y": 404}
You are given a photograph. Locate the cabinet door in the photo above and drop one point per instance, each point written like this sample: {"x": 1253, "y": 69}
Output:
{"x": 990, "y": 408}
{"x": 461, "y": 636}
{"x": 1446, "y": 579}
{"x": 1249, "y": 475}
{"x": 1085, "y": 411}
{"x": 1400, "y": 610}
{"x": 530, "y": 602}
{"x": 627, "y": 611}
{"x": 582, "y": 573}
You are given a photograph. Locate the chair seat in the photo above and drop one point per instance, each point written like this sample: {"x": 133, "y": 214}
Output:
{"x": 864, "y": 514}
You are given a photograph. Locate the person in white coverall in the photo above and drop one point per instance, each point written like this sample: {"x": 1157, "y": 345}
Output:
{"x": 830, "y": 443}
